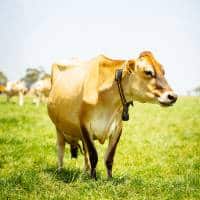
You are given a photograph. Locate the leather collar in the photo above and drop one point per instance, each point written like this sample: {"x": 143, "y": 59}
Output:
{"x": 118, "y": 78}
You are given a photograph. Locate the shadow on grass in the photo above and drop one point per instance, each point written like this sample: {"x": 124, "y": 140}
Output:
{"x": 9, "y": 120}
{"x": 10, "y": 141}
{"x": 65, "y": 175}
{"x": 5, "y": 102}
{"x": 118, "y": 180}
{"x": 69, "y": 175}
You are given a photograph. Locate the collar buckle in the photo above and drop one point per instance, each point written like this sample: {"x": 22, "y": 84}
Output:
{"x": 118, "y": 78}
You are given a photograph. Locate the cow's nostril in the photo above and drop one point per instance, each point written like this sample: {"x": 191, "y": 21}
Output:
{"x": 172, "y": 98}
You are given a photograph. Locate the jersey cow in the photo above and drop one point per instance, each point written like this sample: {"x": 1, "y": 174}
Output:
{"x": 17, "y": 88}
{"x": 40, "y": 90}
{"x": 89, "y": 101}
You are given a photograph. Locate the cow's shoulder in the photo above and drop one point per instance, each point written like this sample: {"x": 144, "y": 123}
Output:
{"x": 109, "y": 62}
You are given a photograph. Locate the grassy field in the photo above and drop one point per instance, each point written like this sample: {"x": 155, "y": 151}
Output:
{"x": 158, "y": 156}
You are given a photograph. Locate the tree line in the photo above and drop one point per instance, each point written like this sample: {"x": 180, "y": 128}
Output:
{"x": 31, "y": 76}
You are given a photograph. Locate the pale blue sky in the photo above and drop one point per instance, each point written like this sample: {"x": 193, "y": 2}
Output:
{"x": 39, "y": 32}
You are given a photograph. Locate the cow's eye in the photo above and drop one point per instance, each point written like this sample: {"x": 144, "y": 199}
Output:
{"x": 149, "y": 73}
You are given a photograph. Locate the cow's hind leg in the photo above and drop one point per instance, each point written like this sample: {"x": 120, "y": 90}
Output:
{"x": 86, "y": 158}
{"x": 61, "y": 149}
{"x": 91, "y": 150}
{"x": 21, "y": 99}
{"x": 37, "y": 100}
{"x": 109, "y": 156}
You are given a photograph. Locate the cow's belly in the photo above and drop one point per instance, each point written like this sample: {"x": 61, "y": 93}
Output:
{"x": 12, "y": 93}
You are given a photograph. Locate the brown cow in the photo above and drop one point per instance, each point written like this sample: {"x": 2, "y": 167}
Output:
{"x": 88, "y": 102}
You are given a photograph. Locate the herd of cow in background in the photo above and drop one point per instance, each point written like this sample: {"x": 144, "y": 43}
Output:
{"x": 39, "y": 90}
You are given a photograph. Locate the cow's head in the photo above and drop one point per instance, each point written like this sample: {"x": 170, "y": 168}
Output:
{"x": 147, "y": 82}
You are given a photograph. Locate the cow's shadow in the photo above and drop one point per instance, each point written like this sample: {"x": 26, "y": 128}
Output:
{"x": 5, "y": 102}
{"x": 69, "y": 175}
{"x": 66, "y": 175}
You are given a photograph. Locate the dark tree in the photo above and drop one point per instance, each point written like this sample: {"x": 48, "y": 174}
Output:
{"x": 34, "y": 74}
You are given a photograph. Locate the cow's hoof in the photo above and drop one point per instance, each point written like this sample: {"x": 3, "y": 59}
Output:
{"x": 109, "y": 178}
{"x": 59, "y": 169}
{"x": 86, "y": 169}
{"x": 93, "y": 174}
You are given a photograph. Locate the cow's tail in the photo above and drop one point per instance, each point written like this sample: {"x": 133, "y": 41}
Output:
{"x": 74, "y": 150}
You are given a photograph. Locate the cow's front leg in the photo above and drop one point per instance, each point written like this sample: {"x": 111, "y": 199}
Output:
{"x": 91, "y": 150}
{"x": 109, "y": 156}
{"x": 61, "y": 149}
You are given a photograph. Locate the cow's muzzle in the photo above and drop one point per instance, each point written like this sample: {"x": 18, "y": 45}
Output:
{"x": 167, "y": 98}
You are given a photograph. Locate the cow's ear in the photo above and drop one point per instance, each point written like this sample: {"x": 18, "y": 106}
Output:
{"x": 100, "y": 77}
{"x": 130, "y": 66}
{"x": 90, "y": 88}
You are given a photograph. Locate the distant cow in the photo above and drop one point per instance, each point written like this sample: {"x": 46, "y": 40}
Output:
{"x": 40, "y": 90}
{"x": 2, "y": 88}
{"x": 89, "y": 102}
{"x": 17, "y": 88}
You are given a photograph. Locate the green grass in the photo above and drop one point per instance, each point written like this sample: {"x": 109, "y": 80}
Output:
{"x": 158, "y": 156}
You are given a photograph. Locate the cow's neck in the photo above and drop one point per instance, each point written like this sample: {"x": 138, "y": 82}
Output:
{"x": 112, "y": 96}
